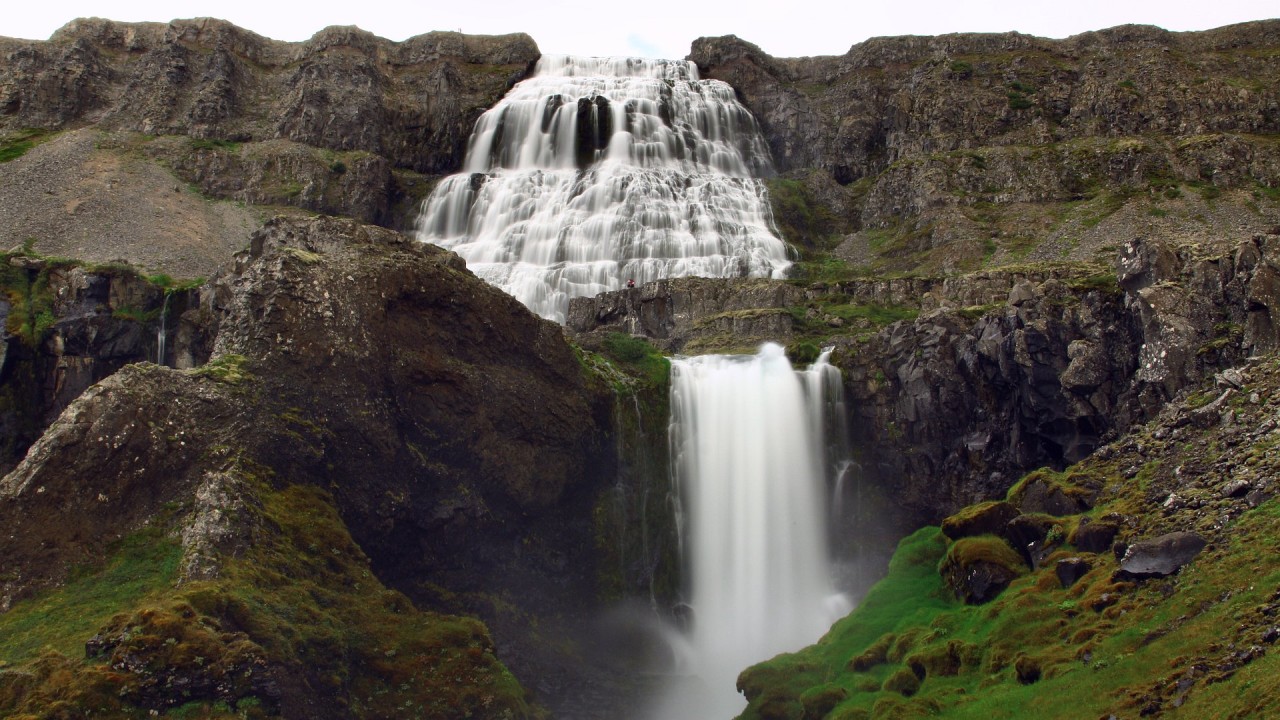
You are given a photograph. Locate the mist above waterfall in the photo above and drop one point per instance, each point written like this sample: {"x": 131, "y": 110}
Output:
{"x": 596, "y": 171}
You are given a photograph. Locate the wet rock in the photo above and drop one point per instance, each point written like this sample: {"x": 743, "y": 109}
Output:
{"x": 1160, "y": 556}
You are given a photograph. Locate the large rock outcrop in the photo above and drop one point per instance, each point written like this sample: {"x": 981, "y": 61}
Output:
{"x": 999, "y": 372}
{"x": 897, "y": 97}
{"x": 344, "y": 89}
{"x": 458, "y": 436}
{"x": 345, "y": 123}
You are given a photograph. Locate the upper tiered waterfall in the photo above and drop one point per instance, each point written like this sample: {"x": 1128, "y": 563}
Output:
{"x": 596, "y": 171}
{"x": 752, "y": 466}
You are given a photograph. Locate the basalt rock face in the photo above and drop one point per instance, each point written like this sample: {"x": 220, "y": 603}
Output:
{"x": 318, "y": 124}
{"x": 67, "y": 327}
{"x": 458, "y": 436}
{"x": 896, "y": 97}
{"x": 1000, "y": 372}
{"x": 344, "y": 89}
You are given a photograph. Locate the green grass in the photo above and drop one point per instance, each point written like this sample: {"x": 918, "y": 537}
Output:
{"x": 138, "y": 567}
{"x": 300, "y": 598}
{"x": 638, "y": 358}
{"x": 15, "y": 145}
{"x": 1101, "y": 647}
{"x": 230, "y": 369}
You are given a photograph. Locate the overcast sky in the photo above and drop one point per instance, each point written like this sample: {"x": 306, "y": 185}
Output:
{"x": 658, "y": 28}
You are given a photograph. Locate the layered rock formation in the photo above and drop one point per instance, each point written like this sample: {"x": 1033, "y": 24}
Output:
{"x": 344, "y": 123}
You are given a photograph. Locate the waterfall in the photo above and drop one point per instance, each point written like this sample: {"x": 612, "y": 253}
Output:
{"x": 596, "y": 171}
{"x": 752, "y": 466}
{"x": 162, "y": 332}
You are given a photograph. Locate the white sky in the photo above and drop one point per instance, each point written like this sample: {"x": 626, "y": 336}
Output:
{"x": 658, "y": 28}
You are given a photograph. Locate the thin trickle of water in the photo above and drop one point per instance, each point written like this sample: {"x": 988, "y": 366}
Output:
{"x": 752, "y": 468}
{"x": 162, "y": 332}
{"x": 596, "y": 171}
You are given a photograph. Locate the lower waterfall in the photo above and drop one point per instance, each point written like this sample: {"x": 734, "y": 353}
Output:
{"x": 751, "y": 465}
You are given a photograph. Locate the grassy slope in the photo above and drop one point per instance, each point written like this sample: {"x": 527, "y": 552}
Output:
{"x": 1171, "y": 646}
{"x": 301, "y": 599}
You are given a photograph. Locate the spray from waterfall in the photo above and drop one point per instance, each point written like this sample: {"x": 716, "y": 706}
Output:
{"x": 597, "y": 171}
{"x": 753, "y": 469}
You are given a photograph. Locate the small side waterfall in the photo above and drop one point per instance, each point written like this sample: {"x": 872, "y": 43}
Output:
{"x": 747, "y": 433}
{"x": 596, "y": 171}
{"x": 162, "y": 332}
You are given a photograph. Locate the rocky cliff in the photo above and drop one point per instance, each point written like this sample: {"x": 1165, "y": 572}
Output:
{"x": 345, "y": 123}
{"x": 1021, "y": 250}
{"x": 957, "y": 152}
{"x": 455, "y": 434}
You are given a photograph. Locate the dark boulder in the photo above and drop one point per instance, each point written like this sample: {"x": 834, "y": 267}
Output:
{"x": 1041, "y": 494}
{"x": 1160, "y": 556}
{"x": 1095, "y": 537}
{"x": 1030, "y": 536}
{"x": 1070, "y": 570}
{"x": 977, "y": 569}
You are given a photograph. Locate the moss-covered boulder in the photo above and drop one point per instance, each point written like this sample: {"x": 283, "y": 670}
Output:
{"x": 1050, "y": 493}
{"x": 977, "y": 569}
{"x": 988, "y": 518}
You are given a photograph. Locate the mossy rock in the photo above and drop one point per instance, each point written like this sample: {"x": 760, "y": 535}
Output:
{"x": 904, "y": 682}
{"x": 1050, "y": 493}
{"x": 977, "y": 569}
{"x": 818, "y": 702}
{"x": 945, "y": 660}
{"x": 1027, "y": 669}
{"x": 988, "y": 518}
{"x": 876, "y": 654}
{"x": 1095, "y": 537}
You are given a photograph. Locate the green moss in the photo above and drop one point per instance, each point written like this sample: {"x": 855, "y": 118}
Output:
{"x": 16, "y": 144}
{"x": 137, "y": 567}
{"x": 231, "y": 369}
{"x": 301, "y": 598}
{"x": 639, "y": 357}
{"x": 968, "y": 551}
{"x": 800, "y": 217}
{"x": 904, "y": 682}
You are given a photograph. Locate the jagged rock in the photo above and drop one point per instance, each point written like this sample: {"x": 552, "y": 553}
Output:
{"x": 1230, "y": 377}
{"x": 1160, "y": 556}
{"x": 1070, "y": 570}
{"x": 1143, "y": 263}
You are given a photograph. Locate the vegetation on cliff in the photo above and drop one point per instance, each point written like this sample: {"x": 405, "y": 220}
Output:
{"x": 298, "y": 613}
{"x": 1192, "y": 644}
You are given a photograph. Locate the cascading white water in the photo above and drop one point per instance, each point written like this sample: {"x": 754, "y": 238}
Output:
{"x": 596, "y": 171}
{"x": 747, "y": 434}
